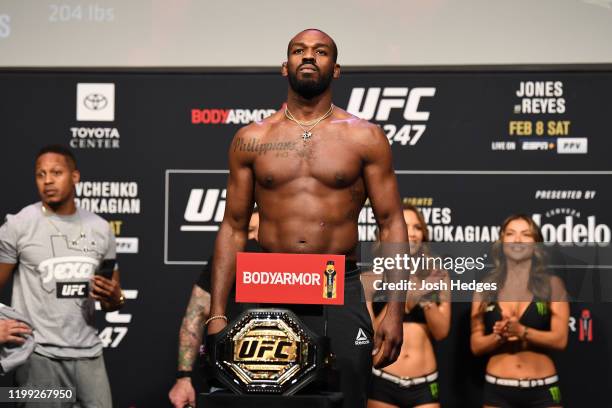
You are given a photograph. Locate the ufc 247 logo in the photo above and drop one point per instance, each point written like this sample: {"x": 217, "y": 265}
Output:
{"x": 205, "y": 206}
{"x": 378, "y": 103}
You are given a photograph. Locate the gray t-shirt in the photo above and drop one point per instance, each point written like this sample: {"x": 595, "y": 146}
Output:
{"x": 13, "y": 355}
{"x": 56, "y": 257}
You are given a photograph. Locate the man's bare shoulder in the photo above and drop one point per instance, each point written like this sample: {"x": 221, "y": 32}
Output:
{"x": 262, "y": 127}
{"x": 360, "y": 130}
{"x": 358, "y": 127}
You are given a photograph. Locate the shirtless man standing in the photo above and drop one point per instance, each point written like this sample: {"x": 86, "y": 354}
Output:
{"x": 310, "y": 169}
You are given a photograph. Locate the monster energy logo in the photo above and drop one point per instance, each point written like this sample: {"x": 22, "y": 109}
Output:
{"x": 433, "y": 387}
{"x": 542, "y": 308}
{"x": 555, "y": 393}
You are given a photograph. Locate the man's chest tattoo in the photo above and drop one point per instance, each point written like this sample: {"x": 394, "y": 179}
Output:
{"x": 253, "y": 145}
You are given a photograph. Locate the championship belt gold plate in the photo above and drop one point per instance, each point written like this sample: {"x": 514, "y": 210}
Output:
{"x": 267, "y": 351}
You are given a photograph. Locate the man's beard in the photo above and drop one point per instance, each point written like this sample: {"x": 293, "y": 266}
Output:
{"x": 55, "y": 205}
{"x": 308, "y": 88}
{"x": 60, "y": 202}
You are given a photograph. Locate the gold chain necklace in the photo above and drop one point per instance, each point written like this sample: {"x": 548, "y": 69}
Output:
{"x": 307, "y": 134}
{"x": 75, "y": 241}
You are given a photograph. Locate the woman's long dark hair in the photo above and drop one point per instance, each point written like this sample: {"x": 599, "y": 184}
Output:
{"x": 424, "y": 249}
{"x": 539, "y": 278}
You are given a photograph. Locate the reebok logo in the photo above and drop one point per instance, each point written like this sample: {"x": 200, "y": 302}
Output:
{"x": 361, "y": 338}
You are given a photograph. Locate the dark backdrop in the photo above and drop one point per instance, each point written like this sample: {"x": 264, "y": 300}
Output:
{"x": 462, "y": 149}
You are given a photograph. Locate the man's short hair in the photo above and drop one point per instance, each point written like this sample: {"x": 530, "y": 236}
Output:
{"x": 333, "y": 43}
{"x": 62, "y": 150}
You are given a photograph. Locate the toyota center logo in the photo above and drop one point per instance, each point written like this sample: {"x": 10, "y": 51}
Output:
{"x": 95, "y": 102}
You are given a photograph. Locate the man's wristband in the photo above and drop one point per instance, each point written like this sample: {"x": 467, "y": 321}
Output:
{"x": 215, "y": 317}
{"x": 121, "y": 299}
{"x": 183, "y": 374}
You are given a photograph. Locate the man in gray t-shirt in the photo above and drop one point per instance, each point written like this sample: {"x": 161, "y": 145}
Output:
{"x": 55, "y": 250}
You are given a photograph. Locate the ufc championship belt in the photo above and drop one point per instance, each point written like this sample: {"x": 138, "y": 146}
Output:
{"x": 267, "y": 351}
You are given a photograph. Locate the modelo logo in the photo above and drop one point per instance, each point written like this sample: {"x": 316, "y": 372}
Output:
{"x": 205, "y": 205}
{"x": 68, "y": 267}
{"x": 393, "y": 98}
{"x": 569, "y": 232}
{"x": 5, "y": 25}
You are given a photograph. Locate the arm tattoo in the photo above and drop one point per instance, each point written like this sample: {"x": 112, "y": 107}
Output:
{"x": 190, "y": 335}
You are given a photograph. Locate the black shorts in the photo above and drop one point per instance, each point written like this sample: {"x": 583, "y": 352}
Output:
{"x": 504, "y": 396}
{"x": 386, "y": 391}
{"x": 349, "y": 329}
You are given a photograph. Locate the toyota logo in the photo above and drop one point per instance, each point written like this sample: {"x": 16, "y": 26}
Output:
{"x": 95, "y": 101}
